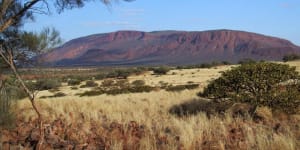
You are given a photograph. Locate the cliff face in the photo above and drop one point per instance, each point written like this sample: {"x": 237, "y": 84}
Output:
{"x": 168, "y": 47}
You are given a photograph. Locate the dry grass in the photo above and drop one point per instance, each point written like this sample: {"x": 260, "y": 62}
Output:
{"x": 164, "y": 130}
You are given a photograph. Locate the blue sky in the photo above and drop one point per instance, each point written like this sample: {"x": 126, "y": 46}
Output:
{"x": 280, "y": 18}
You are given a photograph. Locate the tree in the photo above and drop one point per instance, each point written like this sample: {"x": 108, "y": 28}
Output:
{"x": 13, "y": 14}
{"x": 260, "y": 84}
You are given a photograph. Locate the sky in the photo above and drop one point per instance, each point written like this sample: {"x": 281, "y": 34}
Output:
{"x": 279, "y": 18}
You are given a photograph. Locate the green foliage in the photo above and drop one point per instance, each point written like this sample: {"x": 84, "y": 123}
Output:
{"x": 120, "y": 73}
{"x": 112, "y": 87}
{"x": 108, "y": 82}
{"x": 73, "y": 82}
{"x": 204, "y": 65}
{"x": 7, "y": 97}
{"x": 89, "y": 83}
{"x": 47, "y": 84}
{"x": 138, "y": 83}
{"x": 58, "y": 94}
{"x": 291, "y": 57}
{"x": 246, "y": 61}
{"x": 161, "y": 70}
{"x": 91, "y": 93}
{"x": 260, "y": 84}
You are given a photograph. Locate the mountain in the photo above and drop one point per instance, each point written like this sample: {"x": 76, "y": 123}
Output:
{"x": 168, "y": 47}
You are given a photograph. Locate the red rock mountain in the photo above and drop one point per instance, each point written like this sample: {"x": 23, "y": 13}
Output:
{"x": 168, "y": 47}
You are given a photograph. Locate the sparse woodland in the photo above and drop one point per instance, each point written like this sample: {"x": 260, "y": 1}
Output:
{"x": 254, "y": 105}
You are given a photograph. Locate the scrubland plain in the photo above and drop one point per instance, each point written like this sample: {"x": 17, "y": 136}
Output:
{"x": 145, "y": 120}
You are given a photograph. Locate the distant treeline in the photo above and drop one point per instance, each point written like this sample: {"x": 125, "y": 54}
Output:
{"x": 291, "y": 57}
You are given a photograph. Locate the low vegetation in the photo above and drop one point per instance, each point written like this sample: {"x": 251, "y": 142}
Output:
{"x": 205, "y": 65}
{"x": 46, "y": 84}
{"x": 291, "y": 57}
{"x": 259, "y": 84}
{"x": 89, "y": 83}
{"x": 72, "y": 82}
{"x": 149, "y": 111}
{"x": 161, "y": 70}
{"x": 178, "y": 88}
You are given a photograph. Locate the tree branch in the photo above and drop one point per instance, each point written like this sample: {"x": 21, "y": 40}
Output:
{"x": 18, "y": 15}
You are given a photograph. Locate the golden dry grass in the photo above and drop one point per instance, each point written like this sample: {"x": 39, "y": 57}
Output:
{"x": 152, "y": 110}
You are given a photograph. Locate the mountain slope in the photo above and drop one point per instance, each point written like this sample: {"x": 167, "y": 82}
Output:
{"x": 168, "y": 47}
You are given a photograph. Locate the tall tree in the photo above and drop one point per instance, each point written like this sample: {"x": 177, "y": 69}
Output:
{"x": 13, "y": 44}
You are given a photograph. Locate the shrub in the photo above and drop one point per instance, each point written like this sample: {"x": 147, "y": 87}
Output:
{"x": 91, "y": 93}
{"x": 161, "y": 70}
{"x": 73, "y": 82}
{"x": 291, "y": 57}
{"x": 7, "y": 95}
{"x": 108, "y": 82}
{"x": 74, "y": 88}
{"x": 182, "y": 87}
{"x": 246, "y": 61}
{"x": 89, "y": 83}
{"x": 122, "y": 83}
{"x": 121, "y": 73}
{"x": 260, "y": 84}
{"x": 138, "y": 83}
{"x": 59, "y": 94}
{"x": 47, "y": 84}
{"x": 100, "y": 76}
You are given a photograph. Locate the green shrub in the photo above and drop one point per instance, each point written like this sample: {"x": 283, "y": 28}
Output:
{"x": 74, "y": 88}
{"x": 47, "y": 84}
{"x": 89, "y": 83}
{"x": 246, "y": 61}
{"x": 121, "y": 73}
{"x": 59, "y": 94}
{"x": 260, "y": 84}
{"x": 7, "y": 96}
{"x": 108, "y": 82}
{"x": 290, "y": 57}
{"x": 100, "y": 76}
{"x": 138, "y": 83}
{"x": 122, "y": 83}
{"x": 161, "y": 70}
{"x": 140, "y": 89}
{"x": 73, "y": 82}
{"x": 117, "y": 90}
{"x": 91, "y": 93}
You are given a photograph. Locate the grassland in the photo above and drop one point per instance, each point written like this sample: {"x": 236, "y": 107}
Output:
{"x": 155, "y": 127}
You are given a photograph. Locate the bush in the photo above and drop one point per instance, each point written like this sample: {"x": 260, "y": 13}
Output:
{"x": 108, "y": 82}
{"x": 7, "y": 95}
{"x": 246, "y": 61}
{"x": 291, "y": 57}
{"x": 91, "y": 93}
{"x": 260, "y": 84}
{"x": 89, "y": 83}
{"x": 74, "y": 88}
{"x": 73, "y": 82}
{"x": 161, "y": 70}
{"x": 47, "y": 84}
{"x": 59, "y": 94}
{"x": 182, "y": 87}
{"x": 138, "y": 83}
{"x": 100, "y": 76}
